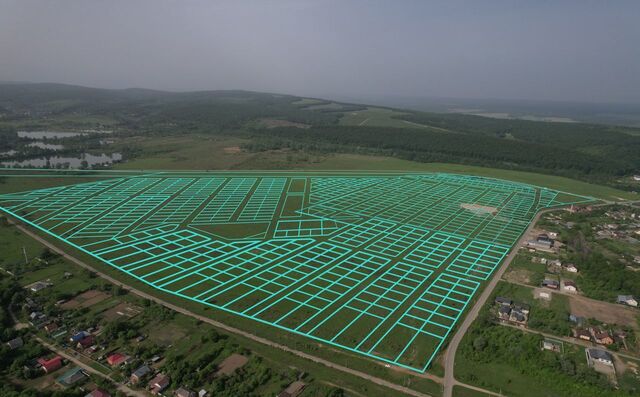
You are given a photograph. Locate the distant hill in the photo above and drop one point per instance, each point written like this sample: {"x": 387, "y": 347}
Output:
{"x": 592, "y": 152}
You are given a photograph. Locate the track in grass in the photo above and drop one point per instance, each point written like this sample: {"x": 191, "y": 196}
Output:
{"x": 379, "y": 265}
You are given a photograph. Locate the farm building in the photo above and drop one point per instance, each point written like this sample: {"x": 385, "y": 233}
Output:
{"x": 627, "y": 300}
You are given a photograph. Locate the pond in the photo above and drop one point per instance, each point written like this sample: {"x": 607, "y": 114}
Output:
{"x": 65, "y": 162}
{"x": 47, "y": 134}
{"x": 49, "y": 146}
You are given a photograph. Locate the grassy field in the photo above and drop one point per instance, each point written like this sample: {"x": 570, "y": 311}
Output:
{"x": 173, "y": 331}
{"x": 185, "y": 152}
{"x": 459, "y": 391}
{"x": 219, "y": 153}
{"x": 375, "y": 117}
{"x": 377, "y": 163}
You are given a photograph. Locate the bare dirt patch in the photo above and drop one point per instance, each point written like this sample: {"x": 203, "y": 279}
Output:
{"x": 122, "y": 310}
{"x": 167, "y": 334}
{"x": 479, "y": 209}
{"x": 232, "y": 150}
{"x": 518, "y": 276}
{"x": 85, "y": 299}
{"x": 231, "y": 363}
{"x": 609, "y": 313}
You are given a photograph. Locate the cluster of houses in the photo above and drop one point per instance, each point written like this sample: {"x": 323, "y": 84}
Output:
{"x": 159, "y": 383}
{"x": 555, "y": 265}
{"x": 594, "y": 334}
{"x": 512, "y": 313}
{"x": 626, "y": 226}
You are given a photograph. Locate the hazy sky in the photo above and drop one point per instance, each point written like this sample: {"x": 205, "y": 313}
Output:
{"x": 559, "y": 50}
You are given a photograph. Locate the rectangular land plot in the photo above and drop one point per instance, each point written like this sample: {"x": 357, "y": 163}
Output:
{"x": 379, "y": 265}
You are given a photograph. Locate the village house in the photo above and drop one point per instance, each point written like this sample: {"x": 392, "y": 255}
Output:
{"x": 184, "y": 392}
{"x": 158, "y": 384}
{"x": 571, "y": 268}
{"x": 139, "y": 374}
{"x": 15, "y": 343}
{"x": 599, "y": 355}
{"x": 98, "y": 393}
{"x": 504, "y": 312}
{"x": 85, "y": 342}
{"x": 518, "y": 317}
{"x": 551, "y": 284}
{"x": 501, "y": 300}
{"x": 570, "y": 286}
{"x": 77, "y": 337}
{"x": 601, "y": 337}
{"x": 72, "y": 377}
{"x": 50, "y": 365}
{"x": 582, "y": 334}
{"x": 49, "y": 328}
{"x": 627, "y": 300}
{"x": 39, "y": 286}
{"x": 117, "y": 359}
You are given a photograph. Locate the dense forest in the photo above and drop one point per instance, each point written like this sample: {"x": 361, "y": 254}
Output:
{"x": 596, "y": 153}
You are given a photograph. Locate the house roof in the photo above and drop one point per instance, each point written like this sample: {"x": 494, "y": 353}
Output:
{"x": 117, "y": 359}
{"x": 503, "y": 300}
{"x": 624, "y": 298}
{"x": 15, "y": 343}
{"x": 600, "y": 354}
{"x": 161, "y": 380}
{"x": 184, "y": 392}
{"x": 142, "y": 371}
{"x": 88, "y": 341}
{"x": 98, "y": 393}
{"x": 51, "y": 364}
{"x": 72, "y": 376}
{"x": 504, "y": 310}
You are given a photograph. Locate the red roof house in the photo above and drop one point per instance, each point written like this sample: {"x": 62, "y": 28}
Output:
{"x": 50, "y": 365}
{"x": 117, "y": 359}
{"x": 86, "y": 342}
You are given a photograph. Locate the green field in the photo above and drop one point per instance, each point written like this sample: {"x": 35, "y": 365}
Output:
{"x": 378, "y": 265}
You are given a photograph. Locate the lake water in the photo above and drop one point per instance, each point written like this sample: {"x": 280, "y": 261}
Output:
{"x": 43, "y": 145}
{"x": 66, "y": 162}
{"x": 47, "y": 134}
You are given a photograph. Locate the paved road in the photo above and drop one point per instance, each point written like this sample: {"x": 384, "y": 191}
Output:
{"x": 123, "y": 388}
{"x": 450, "y": 355}
{"x": 220, "y": 325}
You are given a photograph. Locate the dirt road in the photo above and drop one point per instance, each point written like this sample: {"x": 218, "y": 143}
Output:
{"x": 450, "y": 355}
